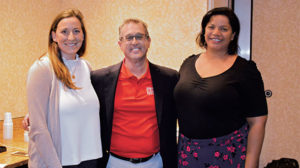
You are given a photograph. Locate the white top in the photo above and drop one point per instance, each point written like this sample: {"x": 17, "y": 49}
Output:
{"x": 79, "y": 117}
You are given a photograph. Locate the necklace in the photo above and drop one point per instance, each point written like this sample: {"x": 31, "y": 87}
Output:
{"x": 73, "y": 76}
{"x": 74, "y": 69}
{"x": 72, "y": 65}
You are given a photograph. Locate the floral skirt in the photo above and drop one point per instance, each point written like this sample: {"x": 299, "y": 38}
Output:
{"x": 228, "y": 151}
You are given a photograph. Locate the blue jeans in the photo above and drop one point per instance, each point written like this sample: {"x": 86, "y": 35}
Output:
{"x": 154, "y": 162}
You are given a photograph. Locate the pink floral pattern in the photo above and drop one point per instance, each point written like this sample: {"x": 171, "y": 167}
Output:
{"x": 222, "y": 152}
{"x": 195, "y": 154}
{"x": 188, "y": 149}
{"x": 217, "y": 154}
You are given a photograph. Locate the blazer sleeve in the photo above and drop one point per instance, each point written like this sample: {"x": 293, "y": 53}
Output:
{"x": 38, "y": 91}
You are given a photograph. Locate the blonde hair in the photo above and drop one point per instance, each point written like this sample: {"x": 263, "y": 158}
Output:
{"x": 60, "y": 70}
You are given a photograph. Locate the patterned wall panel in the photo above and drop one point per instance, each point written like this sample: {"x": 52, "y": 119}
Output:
{"x": 24, "y": 26}
{"x": 276, "y": 51}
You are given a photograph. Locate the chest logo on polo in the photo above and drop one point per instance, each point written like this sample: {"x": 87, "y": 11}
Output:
{"x": 149, "y": 91}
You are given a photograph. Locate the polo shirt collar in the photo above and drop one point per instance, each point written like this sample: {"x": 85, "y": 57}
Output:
{"x": 126, "y": 74}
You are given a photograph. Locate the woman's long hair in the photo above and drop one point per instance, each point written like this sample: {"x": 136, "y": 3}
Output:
{"x": 60, "y": 70}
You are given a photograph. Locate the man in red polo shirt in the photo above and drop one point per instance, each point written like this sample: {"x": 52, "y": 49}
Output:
{"x": 137, "y": 111}
{"x": 138, "y": 116}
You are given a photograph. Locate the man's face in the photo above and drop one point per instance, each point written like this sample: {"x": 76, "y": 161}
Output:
{"x": 134, "y": 42}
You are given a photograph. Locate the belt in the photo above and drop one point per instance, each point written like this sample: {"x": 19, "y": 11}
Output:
{"x": 133, "y": 160}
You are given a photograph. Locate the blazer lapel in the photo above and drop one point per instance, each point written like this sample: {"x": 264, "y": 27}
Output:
{"x": 157, "y": 87}
{"x": 110, "y": 90}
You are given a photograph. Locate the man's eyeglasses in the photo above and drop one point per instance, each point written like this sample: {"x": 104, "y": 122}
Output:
{"x": 138, "y": 37}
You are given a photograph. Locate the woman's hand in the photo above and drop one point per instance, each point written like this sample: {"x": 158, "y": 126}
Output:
{"x": 25, "y": 122}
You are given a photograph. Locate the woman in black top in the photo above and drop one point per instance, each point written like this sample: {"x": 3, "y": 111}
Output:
{"x": 220, "y": 99}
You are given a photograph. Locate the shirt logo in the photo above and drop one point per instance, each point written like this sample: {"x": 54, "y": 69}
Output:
{"x": 149, "y": 91}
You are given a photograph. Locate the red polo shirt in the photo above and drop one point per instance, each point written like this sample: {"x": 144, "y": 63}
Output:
{"x": 135, "y": 131}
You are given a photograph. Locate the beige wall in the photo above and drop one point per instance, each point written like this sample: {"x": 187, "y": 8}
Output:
{"x": 24, "y": 26}
{"x": 276, "y": 51}
{"x": 218, "y": 3}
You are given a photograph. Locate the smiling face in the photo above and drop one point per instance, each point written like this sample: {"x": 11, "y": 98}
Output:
{"x": 69, "y": 37}
{"x": 218, "y": 33}
{"x": 134, "y": 42}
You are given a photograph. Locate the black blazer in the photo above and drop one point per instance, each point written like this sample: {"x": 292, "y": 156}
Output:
{"x": 164, "y": 80}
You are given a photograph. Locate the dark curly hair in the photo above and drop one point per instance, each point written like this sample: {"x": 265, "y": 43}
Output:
{"x": 233, "y": 21}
